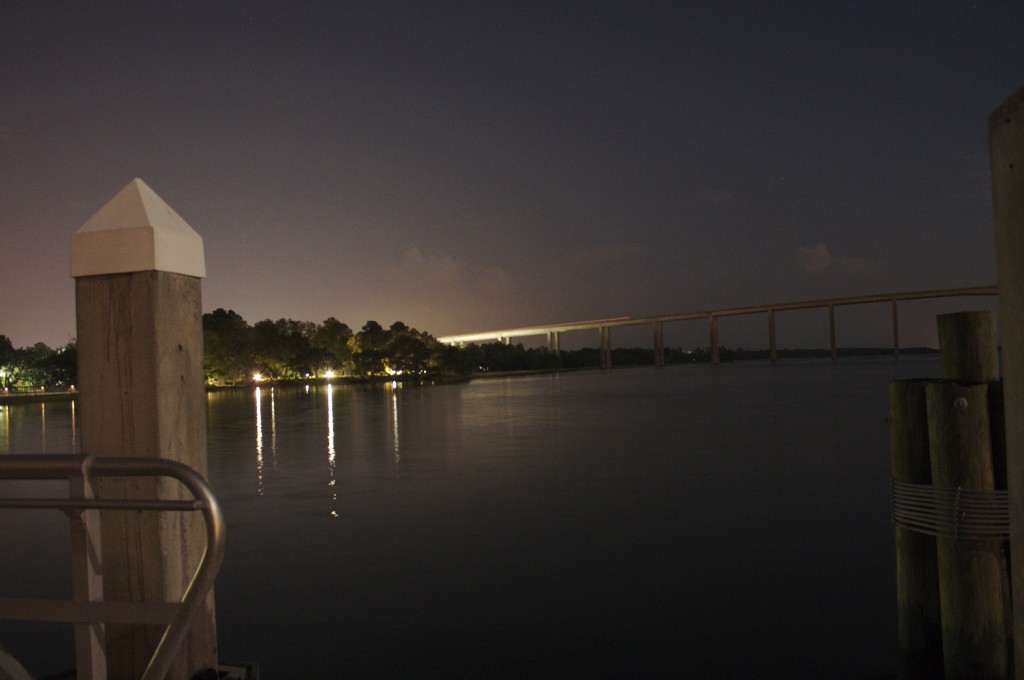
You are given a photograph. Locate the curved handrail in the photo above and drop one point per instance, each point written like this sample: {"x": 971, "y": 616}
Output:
{"x": 62, "y": 466}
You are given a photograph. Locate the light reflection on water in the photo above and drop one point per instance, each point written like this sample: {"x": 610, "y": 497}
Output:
{"x": 34, "y": 544}
{"x": 259, "y": 440}
{"x": 330, "y": 448}
{"x": 39, "y": 427}
{"x": 633, "y": 521}
{"x": 393, "y": 404}
{"x": 720, "y": 521}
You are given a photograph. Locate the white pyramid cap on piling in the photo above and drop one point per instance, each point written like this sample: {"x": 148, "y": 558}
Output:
{"x": 136, "y": 231}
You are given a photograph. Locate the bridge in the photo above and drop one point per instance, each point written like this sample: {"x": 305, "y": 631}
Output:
{"x": 657, "y": 323}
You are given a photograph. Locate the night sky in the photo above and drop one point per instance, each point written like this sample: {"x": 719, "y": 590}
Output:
{"x": 476, "y": 165}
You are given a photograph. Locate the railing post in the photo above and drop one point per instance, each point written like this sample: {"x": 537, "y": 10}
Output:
{"x": 1006, "y": 153}
{"x": 137, "y": 267}
{"x": 87, "y": 581}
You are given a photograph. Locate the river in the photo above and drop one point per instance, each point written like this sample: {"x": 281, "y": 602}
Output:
{"x": 725, "y": 522}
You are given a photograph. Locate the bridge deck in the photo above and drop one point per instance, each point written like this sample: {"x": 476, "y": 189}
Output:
{"x": 601, "y": 325}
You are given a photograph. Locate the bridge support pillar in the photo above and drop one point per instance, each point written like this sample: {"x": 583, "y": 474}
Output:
{"x": 659, "y": 343}
{"x": 553, "y": 342}
{"x": 773, "y": 354}
{"x": 832, "y": 331}
{"x": 895, "y": 331}
{"x": 606, "y": 347}
{"x": 714, "y": 339}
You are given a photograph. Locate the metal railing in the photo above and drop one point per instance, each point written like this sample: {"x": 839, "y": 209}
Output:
{"x": 87, "y": 610}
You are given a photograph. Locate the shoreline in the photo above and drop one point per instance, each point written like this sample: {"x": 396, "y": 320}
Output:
{"x": 36, "y": 397}
{"x": 740, "y": 356}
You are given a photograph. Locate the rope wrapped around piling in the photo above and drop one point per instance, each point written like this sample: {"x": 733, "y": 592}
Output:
{"x": 954, "y": 512}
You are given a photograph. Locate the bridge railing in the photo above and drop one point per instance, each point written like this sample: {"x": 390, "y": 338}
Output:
{"x": 603, "y": 326}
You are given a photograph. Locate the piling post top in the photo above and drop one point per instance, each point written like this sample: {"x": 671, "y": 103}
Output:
{"x": 136, "y": 231}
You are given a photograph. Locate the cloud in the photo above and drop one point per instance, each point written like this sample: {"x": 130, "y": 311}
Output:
{"x": 441, "y": 293}
{"x": 817, "y": 258}
{"x": 426, "y": 274}
{"x": 433, "y": 269}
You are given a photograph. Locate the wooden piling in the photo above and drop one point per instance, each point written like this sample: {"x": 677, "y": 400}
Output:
{"x": 917, "y": 576}
{"x": 968, "y": 347}
{"x": 1006, "y": 155}
{"x": 137, "y": 268}
{"x": 952, "y": 591}
{"x": 972, "y": 576}
{"x": 969, "y": 353}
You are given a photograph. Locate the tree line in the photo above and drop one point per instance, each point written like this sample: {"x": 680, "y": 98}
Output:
{"x": 38, "y": 366}
{"x": 237, "y": 352}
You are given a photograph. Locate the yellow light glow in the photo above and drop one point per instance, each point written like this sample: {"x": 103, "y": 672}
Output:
{"x": 257, "y": 377}
{"x": 329, "y": 374}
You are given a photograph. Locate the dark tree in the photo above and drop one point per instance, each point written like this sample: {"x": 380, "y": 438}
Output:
{"x": 6, "y": 360}
{"x": 371, "y": 336}
{"x": 228, "y": 349}
{"x": 336, "y": 338}
{"x": 408, "y": 353}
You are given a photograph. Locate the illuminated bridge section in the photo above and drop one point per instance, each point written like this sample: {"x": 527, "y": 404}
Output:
{"x": 604, "y": 326}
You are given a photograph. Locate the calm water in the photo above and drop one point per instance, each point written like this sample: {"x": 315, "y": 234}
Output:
{"x": 724, "y": 522}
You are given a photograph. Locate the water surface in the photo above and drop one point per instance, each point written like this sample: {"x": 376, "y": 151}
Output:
{"x": 727, "y": 521}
